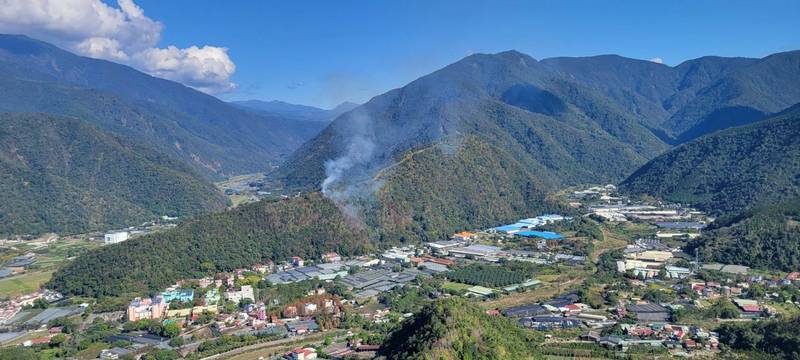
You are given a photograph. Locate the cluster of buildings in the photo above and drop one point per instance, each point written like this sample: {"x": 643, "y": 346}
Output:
{"x": 158, "y": 307}
{"x": 562, "y": 312}
{"x": 647, "y": 264}
{"x": 667, "y": 335}
{"x": 10, "y": 309}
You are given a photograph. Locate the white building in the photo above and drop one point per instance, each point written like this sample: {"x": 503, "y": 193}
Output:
{"x": 237, "y": 296}
{"x": 115, "y": 237}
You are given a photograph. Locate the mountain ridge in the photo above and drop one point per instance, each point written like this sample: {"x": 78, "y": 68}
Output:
{"x": 215, "y": 137}
{"x": 62, "y": 174}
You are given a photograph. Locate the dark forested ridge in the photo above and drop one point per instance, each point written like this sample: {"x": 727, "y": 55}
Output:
{"x": 456, "y": 329}
{"x": 730, "y": 170}
{"x": 766, "y": 238}
{"x": 779, "y": 338}
{"x": 213, "y": 136}
{"x": 305, "y": 226}
{"x": 60, "y": 174}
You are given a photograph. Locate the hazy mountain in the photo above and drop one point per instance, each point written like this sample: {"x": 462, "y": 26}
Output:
{"x": 747, "y": 89}
{"x": 213, "y": 136}
{"x": 294, "y": 111}
{"x": 60, "y": 174}
{"x": 729, "y": 170}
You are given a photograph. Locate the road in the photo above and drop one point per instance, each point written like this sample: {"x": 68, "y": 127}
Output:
{"x": 302, "y": 339}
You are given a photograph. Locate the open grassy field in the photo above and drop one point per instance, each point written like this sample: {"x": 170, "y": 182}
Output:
{"x": 23, "y": 284}
{"x": 455, "y": 286}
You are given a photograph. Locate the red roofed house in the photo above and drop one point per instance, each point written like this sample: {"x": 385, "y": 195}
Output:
{"x": 301, "y": 354}
{"x": 794, "y": 275}
{"x": 751, "y": 308}
{"x": 297, "y": 261}
{"x": 572, "y": 309}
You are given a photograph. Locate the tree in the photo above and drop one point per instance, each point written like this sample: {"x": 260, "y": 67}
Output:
{"x": 170, "y": 330}
{"x": 176, "y": 341}
{"x": 40, "y": 303}
{"x": 58, "y": 340}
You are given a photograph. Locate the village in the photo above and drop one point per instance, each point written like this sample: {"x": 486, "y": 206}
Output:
{"x": 553, "y": 274}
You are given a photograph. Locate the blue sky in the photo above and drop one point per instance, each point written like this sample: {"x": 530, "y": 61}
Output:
{"x": 324, "y": 52}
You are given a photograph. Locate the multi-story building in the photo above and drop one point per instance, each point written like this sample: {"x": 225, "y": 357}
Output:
{"x": 154, "y": 308}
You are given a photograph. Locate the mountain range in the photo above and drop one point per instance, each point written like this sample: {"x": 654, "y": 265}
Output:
{"x": 296, "y": 112}
{"x": 62, "y": 174}
{"x": 214, "y": 137}
{"x": 730, "y": 170}
{"x": 574, "y": 120}
{"x": 529, "y": 127}
{"x": 488, "y": 139}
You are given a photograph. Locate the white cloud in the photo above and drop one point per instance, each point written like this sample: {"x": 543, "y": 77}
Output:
{"x": 124, "y": 34}
{"x": 657, "y": 60}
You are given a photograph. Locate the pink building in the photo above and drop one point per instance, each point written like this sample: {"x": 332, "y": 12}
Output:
{"x": 154, "y": 308}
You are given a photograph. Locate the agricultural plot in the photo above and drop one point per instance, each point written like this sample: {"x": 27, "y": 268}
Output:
{"x": 490, "y": 275}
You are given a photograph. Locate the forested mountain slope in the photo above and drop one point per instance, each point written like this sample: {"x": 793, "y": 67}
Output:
{"x": 510, "y": 100}
{"x": 765, "y": 237}
{"x": 456, "y": 329}
{"x": 557, "y": 111}
{"x": 434, "y": 192}
{"x": 60, "y": 174}
{"x": 305, "y": 226}
{"x": 213, "y": 136}
{"x": 517, "y": 128}
{"x": 729, "y": 170}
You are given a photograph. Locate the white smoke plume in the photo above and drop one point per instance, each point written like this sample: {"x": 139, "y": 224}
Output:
{"x": 347, "y": 177}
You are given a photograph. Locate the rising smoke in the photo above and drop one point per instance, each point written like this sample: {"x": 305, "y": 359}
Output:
{"x": 347, "y": 177}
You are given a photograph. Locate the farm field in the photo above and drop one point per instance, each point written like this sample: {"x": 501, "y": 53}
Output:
{"x": 23, "y": 284}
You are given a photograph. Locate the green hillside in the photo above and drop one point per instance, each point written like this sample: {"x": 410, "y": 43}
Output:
{"x": 730, "y": 170}
{"x": 305, "y": 226}
{"x": 766, "y": 238}
{"x": 430, "y": 193}
{"x": 771, "y": 339}
{"x": 456, "y": 329}
{"x": 64, "y": 175}
{"x": 573, "y": 132}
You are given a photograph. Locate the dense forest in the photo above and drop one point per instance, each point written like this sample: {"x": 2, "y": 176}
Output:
{"x": 305, "y": 226}
{"x": 456, "y": 329}
{"x": 730, "y": 170}
{"x": 431, "y": 194}
{"x": 780, "y": 337}
{"x": 766, "y": 237}
{"x": 61, "y": 174}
